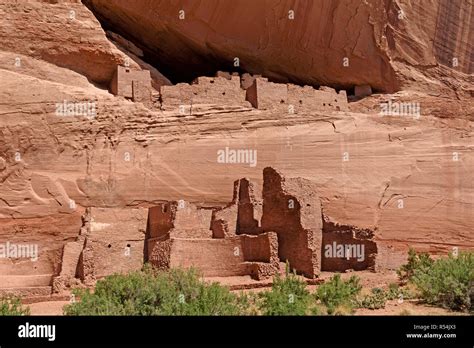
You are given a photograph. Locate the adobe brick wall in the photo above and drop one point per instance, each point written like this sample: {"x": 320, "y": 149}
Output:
{"x": 261, "y": 248}
{"x": 186, "y": 221}
{"x": 122, "y": 82}
{"x": 161, "y": 219}
{"x": 250, "y": 208}
{"x": 292, "y": 209}
{"x": 115, "y": 240}
{"x": 224, "y": 220}
{"x": 159, "y": 253}
{"x": 213, "y": 257}
{"x": 346, "y": 235}
{"x": 141, "y": 92}
{"x": 69, "y": 264}
{"x": 253, "y": 233}
{"x": 242, "y": 215}
{"x": 263, "y": 94}
{"x": 307, "y": 98}
{"x": 204, "y": 90}
{"x": 174, "y": 96}
{"x": 218, "y": 90}
{"x": 261, "y": 254}
{"x": 235, "y": 256}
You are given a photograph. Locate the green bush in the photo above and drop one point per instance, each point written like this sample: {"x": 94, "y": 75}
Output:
{"x": 288, "y": 296}
{"x": 378, "y": 297}
{"x": 337, "y": 293}
{"x": 375, "y": 300}
{"x": 448, "y": 282}
{"x": 11, "y": 305}
{"x": 416, "y": 262}
{"x": 151, "y": 292}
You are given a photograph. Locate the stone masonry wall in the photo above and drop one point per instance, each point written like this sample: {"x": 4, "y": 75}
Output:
{"x": 116, "y": 240}
{"x": 204, "y": 90}
{"x": 292, "y": 209}
{"x": 347, "y": 247}
{"x": 263, "y": 94}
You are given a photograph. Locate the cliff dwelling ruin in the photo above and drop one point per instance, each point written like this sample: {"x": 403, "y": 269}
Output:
{"x": 225, "y": 89}
{"x": 229, "y": 137}
{"x": 254, "y": 236}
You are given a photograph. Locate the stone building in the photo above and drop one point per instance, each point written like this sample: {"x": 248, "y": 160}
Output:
{"x": 263, "y": 94}
{"x": 253, "y": 235}
{"x": 132, "y": 84}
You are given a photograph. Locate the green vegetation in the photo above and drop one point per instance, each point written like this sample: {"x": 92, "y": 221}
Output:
{"x": 416, "y": 262}
{"x": 375, "y": 300}
{"x": 288, "y": 296}
{"x": 378, "y": 296}
{"x": 11, "y": 305}
{"x": 151, "y": 292}
{"x": 446, "y": 282}
{"x": 339, "y": 296}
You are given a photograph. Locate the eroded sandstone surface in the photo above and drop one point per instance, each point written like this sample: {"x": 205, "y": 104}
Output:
{"x": 68, "y": 145}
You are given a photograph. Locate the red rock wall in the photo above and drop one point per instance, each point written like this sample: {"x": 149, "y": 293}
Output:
{"x": 116, "y": 238}
{"x": 292, "y": 210}
{"x": 355, "y": 240}
{"x": 214, "y": 257}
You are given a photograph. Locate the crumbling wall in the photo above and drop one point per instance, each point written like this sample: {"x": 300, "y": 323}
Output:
{"x": 69, "y": 264}
{"x": 261, "y": 254}
{"x": 256, "y": 256}
{"x": 242, "y": 215}
{"x": 115, "y": 241}
{"x": 43, "y": 240}
{"x": 124, "y": 79}
{"x": 218, "y": 90}
{"x": 175, "y": 96}
{"x": 252, "y": 234}
{"x": 141, "y": 92}
{"x": 250, "y": 208}
{"x": 292, "y": 209}
{"x": 159, "y": 253}
{"x": 263, "y": 94}
{"x": 213, "y": 257}
{"x": 204, "y": 90}
{"x": 224, "y": 220}
{"x": 347, "y": 247}
{"x": 307, "y": 98}
{"x": 179, "y": 219}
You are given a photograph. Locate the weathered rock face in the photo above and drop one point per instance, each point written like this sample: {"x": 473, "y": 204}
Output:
{"x": 384, "y": 43}
{"x": 407, "y": 178}
{"x": 66, "y": 34}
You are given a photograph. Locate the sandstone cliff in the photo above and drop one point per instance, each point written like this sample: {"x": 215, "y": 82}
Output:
{"x": 409, "y": 179}
{"x": 389, "y": 44}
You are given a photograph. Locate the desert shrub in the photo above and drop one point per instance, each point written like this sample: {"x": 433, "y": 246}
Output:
{"x": 288, "y": 296}
{"x": 337, "y": 295}
{"x": 448, "y": 282}
{"x": 375, "y": 300}
{"x": 378, "y": 296}
{"x": 11, "y": 305}
{"x": 416, "y": 262}
{"x": 397, "y": 292}
{"x": 151, "y": 292}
